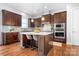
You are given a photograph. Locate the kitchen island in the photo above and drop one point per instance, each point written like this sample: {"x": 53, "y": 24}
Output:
{"x": 43, "y": 39}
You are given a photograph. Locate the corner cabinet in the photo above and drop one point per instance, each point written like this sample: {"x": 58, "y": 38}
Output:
{"x": 10, "y": 18}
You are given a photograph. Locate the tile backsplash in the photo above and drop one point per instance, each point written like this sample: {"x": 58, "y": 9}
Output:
{"x": 11, "y": 29}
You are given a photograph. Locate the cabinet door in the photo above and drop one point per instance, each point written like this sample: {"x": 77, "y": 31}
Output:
{"x": 38, "y": 22}
{"x": 8, "y": 38}
{"x": 57, "y": 18}
{"x": 63, "y": 16}
{"x": 52, "y": 19}
{"x": 60, "y": 17}
{"x": 12, "y": 19}
{"x": 11, "y": 38}
{"x": 18, "y": 19}
{"x": 31, "y": 24}
{"x": 47, "y": 18}
{"x": 6, "y": 17}
{"x": 15, "y": 36}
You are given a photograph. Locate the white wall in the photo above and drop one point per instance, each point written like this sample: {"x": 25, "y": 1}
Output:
{"x": 6, "y": 7}
{"x": 0, "y": 28}
{"x": 73, "y": 24}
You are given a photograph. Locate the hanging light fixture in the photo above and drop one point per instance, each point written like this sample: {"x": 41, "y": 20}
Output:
{"x": 43, "y": 18}
{"x": 32, "y": 19}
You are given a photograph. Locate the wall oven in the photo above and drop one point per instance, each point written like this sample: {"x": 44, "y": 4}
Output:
{"x": 59, "y": 34}
{"x": 59, "y": 30}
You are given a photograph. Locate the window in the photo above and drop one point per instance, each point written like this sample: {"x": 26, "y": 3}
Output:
{"x": 24, "y": 23}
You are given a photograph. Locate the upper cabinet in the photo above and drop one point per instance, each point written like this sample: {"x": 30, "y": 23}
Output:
{"x": 37, "y": 22}
{"x": 10, "y": 18}
{"x": 63, "y": 16}
{"x": 47, "y": 18}
{"x": 6, "y": 17}
{"x": 31, "y": 24}
{"x": 60, "y": 17}
{"x": 52, "y": 19}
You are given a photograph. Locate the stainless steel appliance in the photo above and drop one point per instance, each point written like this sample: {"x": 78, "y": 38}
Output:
{"x": 59, "y": 30}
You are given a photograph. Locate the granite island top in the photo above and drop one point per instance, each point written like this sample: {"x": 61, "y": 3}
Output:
{"x": 36, "y": 33}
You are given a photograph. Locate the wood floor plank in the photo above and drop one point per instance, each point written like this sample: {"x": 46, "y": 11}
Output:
{"x": 16, "y": 50}
{"x": 64, "y": 50}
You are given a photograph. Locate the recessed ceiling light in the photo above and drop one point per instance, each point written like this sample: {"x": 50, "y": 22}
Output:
{"x": 34, "y": 10}
{"x": 45, "y": 7}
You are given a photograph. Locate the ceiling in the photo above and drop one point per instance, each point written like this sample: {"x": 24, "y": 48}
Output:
{"x": 37, "y": 9}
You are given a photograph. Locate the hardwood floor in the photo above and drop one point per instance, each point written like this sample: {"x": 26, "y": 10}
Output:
{"x": 16, "y": 50}
{"x": 64, "y": 50}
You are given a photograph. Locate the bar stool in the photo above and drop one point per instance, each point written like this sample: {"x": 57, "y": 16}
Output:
{"x": 33, "y": 42}
{"x": 36, "y": 41}
{"x": 26, "y": 42}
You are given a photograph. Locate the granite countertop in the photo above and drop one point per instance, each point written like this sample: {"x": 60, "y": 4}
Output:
{"x": 34, "y": 33}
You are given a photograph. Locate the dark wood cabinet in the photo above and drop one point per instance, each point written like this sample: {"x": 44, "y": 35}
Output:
{"x": 17, "y": 20}
{"x": 52, "y": 19}
{"x": 37, "y": 22}
{"x": 47, "y": 18}
{"x": 60, "y": 17}
{"x": 10, "y": 37}
{"x": 56, "y": 18}
{"x": 31, "y": 24}
{"x": 6, "y": 17}
{"x": 63, "y": 16}
{"x": 10, "y": 18}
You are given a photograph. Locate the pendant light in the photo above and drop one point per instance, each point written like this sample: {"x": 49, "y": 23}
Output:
{"x": 43, "y": 18}
{"x": 32, "y": 19}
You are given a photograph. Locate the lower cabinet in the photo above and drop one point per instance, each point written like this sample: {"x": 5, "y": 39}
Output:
{"x": 10, "y": 37}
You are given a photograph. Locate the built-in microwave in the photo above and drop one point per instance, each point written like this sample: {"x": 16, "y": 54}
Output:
{"x": 59, "y": 25}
